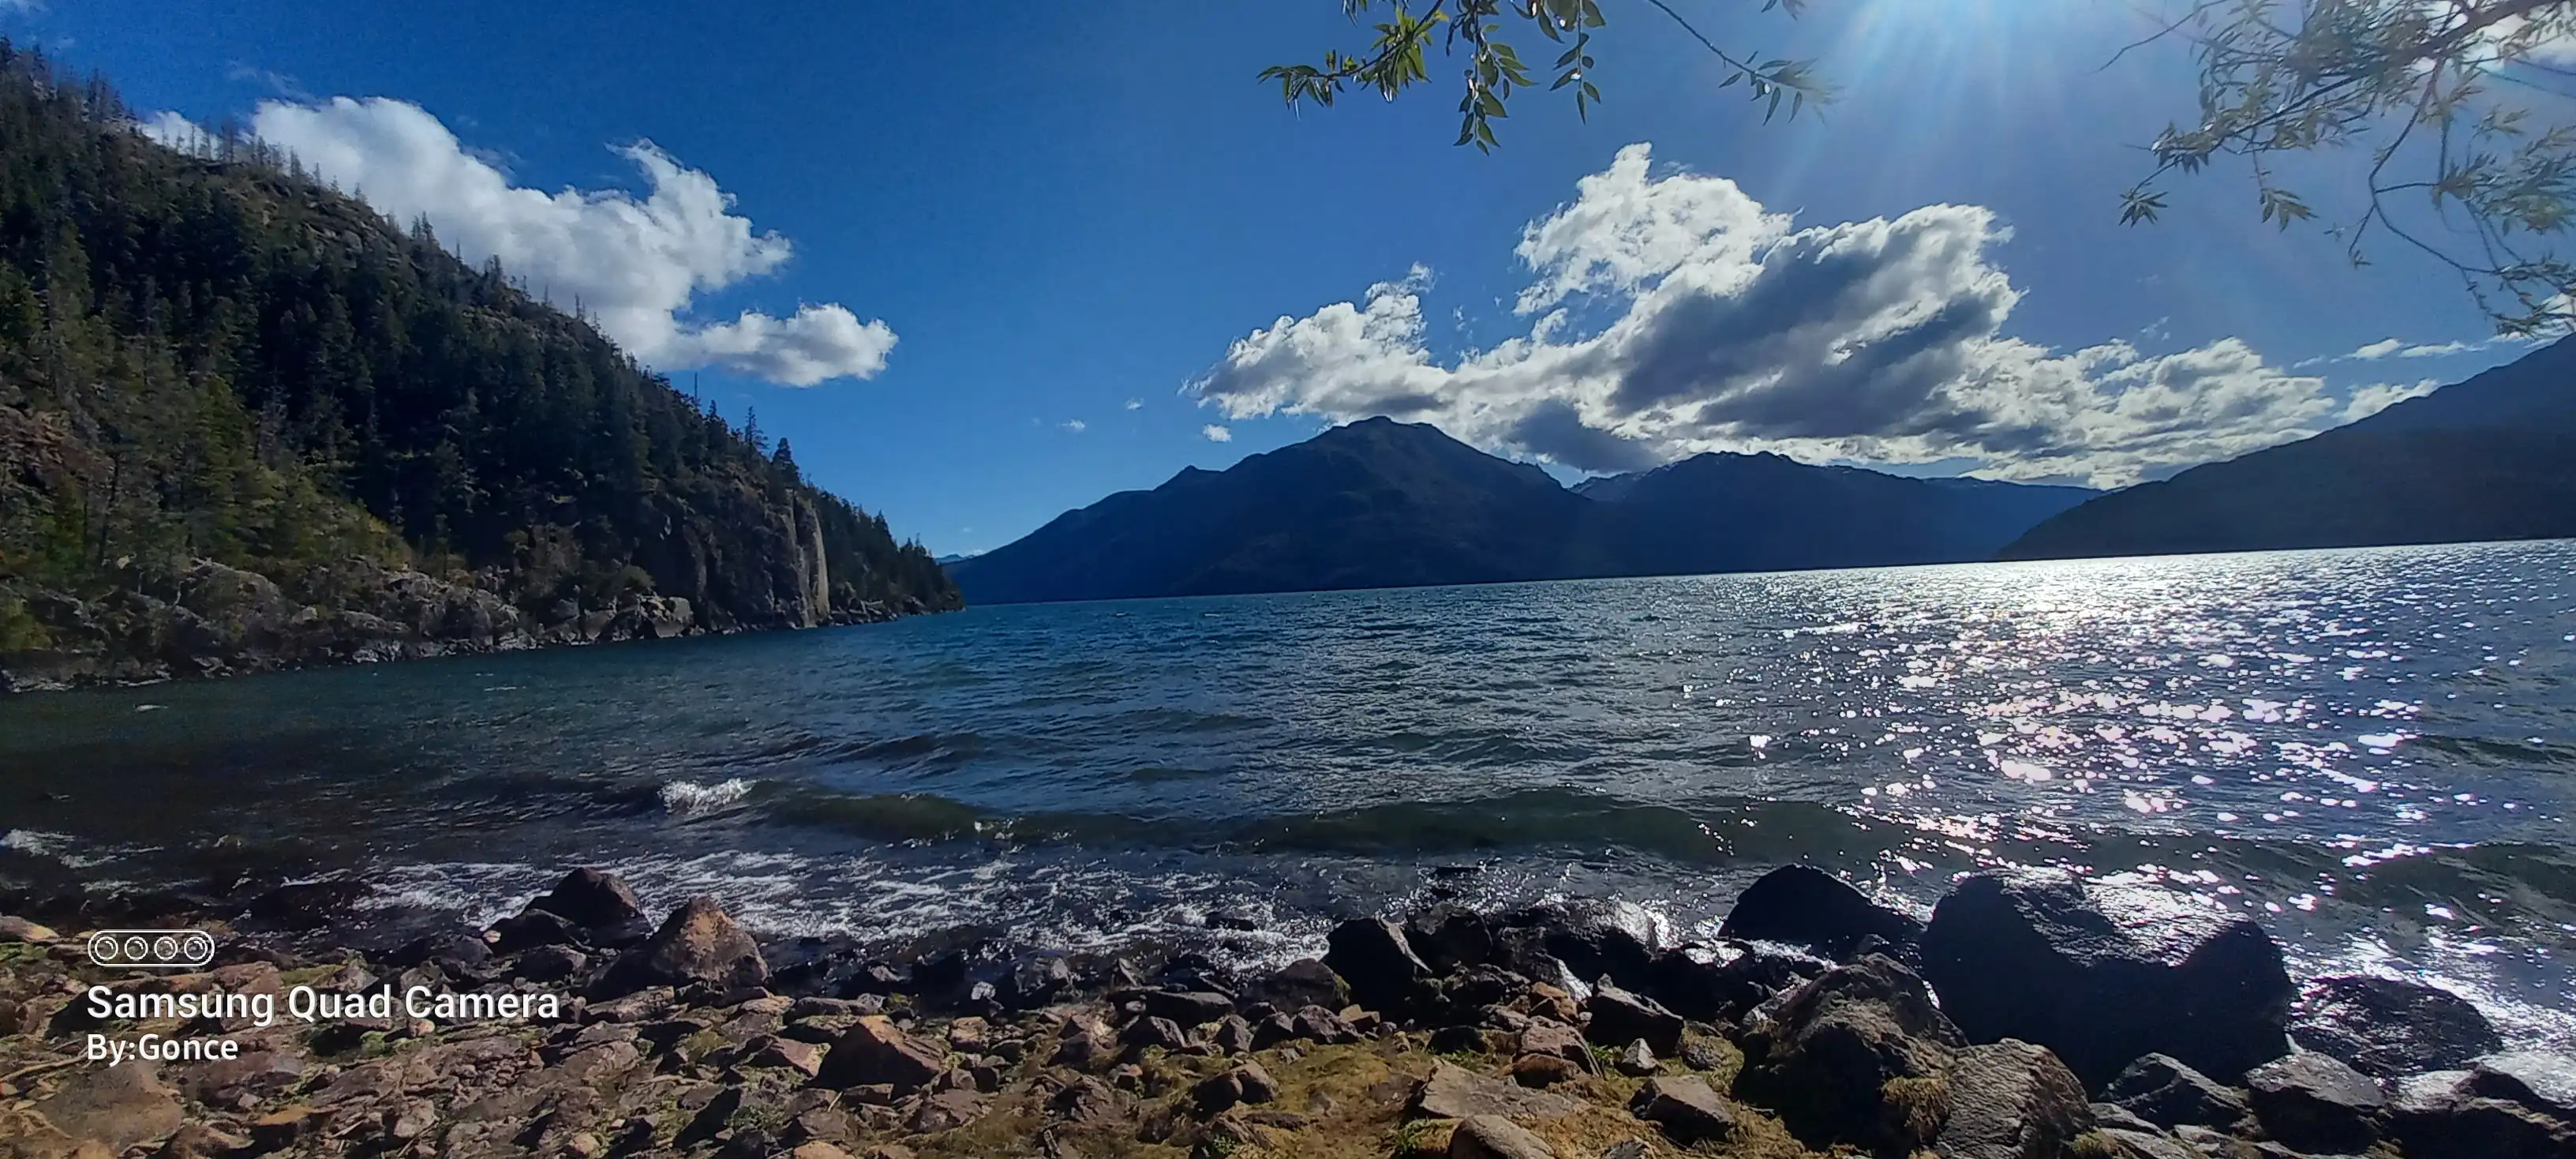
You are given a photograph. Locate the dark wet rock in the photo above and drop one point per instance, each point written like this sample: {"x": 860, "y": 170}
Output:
{"x": 1233, "y": 918}
{"x": 1304, "y": 982}
{"x": 1725, "y": 983}
{"x": 533, "y": 928}
{"x": 873, "y": 1051}
{"x": 1810, "y": 907}
{"x": 1524, "y": 952}
{"x": 1592, "y": 936}
{"x": 2388, "y": 1028}
{"x": 1033, "y": 980}
{"x": 591, "y": 899}
{"x": 2313, "y": 1102}
{"x": 1449, "y": 936}
{"x": 1453, "y": 1093}
{"x": 1855, "y": 1056}
{"x": 1684, "y": 1109}
{"x": 1188, "y": 1009}
{"x": 549, "y": 964}
{"x": 2544, "y": 1081}
{"x": 696, "y": 945}
{"x": 2103, "y": 976}
{"x": 461, "y": 947}
{"x": 2011, "y": 1100}
{"x": 2443, "y": 1116}
{"x": 2169, "y": 1093}
{"x": 1371, "y": 954}
{"x": 1495, "y": 1137}
{"x": 1619, "y": 1017}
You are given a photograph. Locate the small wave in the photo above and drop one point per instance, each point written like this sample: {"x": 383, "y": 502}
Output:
{"x": 61, "y": 847}
{"x": 683, "y": 798}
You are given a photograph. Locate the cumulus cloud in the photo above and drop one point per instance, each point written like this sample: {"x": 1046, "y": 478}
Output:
{"x": 1731, "y": 328}
{"x": 2398, "y": 348}
{"x": 634, "y": 264}
{"x": 2371, "y": 400}
{"x": 1217, "y": 434}
{"x": 1075, "y": 426}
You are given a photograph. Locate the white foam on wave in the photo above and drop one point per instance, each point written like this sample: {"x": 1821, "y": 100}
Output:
{"x": 62, "y": 847}
{"x": 478, "y": 892}
{"x": 686, "y": 797}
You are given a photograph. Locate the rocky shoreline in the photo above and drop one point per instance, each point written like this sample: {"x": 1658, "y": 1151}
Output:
{"x": 212, "y": 620}
{"x": 2032, "y": 1016}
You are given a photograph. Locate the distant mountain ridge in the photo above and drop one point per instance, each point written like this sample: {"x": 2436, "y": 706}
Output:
{"x": 1380, "y": 503}
{"x": 2491, "y": 458}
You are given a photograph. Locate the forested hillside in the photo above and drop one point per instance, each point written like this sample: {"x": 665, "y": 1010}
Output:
{"x": 247, "y": 422}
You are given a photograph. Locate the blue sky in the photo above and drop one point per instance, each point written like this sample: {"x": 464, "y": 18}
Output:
{"x": 1054, "y": 211}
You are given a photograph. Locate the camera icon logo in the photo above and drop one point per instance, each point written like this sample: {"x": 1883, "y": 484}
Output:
{"x": 152, "y": 949}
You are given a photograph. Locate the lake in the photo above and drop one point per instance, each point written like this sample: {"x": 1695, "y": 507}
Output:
{"x": 2373, "y": 751}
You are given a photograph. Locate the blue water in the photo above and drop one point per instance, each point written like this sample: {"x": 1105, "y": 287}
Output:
{"x": 2374, "y": 751}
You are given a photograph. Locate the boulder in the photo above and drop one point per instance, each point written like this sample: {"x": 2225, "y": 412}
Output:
{"x": 1454, "y": 1093}
{"x": 1033, "y": 980}
{"x": 1806, "y": 906}
{"x": 1855, "y": 1056}
{"x": 1304, "y": 982}
{"x": 22, "y": 930}
{"x": 873, "y": 1051}
{"x": 1592, "y": 936}
{"x": 2169, "y": 1094}
{"x": 2544, "y": 1081}
{"x": 2389, "y": 1028}
{"x": 1549, "y": 1037}
{"x": 1544, "y": 1070}
{"x": 2442, "y": 1116}
{"x": 1636, "y": 1060}
{"x": 2313, "y": 1102}
{"x": 1724, "y": 983}
{"x": 531, "y": 928}
{"x": 2012, "y": 1100}
{"x": 1153, "y": 1033}
{"x": 1684, "y": 1109}
{"x": 1620, "y": 1017}
{"x": 1188, "y": 1009}
{"x": 2105, "y": 975}
{"x": 1316, "y": 1024}
{"x": 696, "y": 944}
{"x": 1449, "y": 936}
{"x": 590, "y": 898}
{"x": 1371, "y": 954}
{"x": 1494, "y": 1137}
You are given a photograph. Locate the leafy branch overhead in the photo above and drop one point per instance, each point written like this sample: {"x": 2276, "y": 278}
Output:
{"x": 1398, "y": 58}
{"x": 2439, "y": 96}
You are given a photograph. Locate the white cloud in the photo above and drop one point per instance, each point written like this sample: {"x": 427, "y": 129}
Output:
{"x": 1878, "y": 340}
{"x": 1076, "y": 426}
{"x": 172, "y": 130}
{"x": 22, "y": 5}
{"x": 2397, "y": 348}
{"x": 1217, "y": 434}
{"x": 1135, "y": 404}
{"x": 2370, "y": 400}
{"x": 634, "y": 264}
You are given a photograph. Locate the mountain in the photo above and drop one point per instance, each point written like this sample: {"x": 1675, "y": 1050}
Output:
{"x": 1380, "y": 503}
{"x": 2487, "y": 459}
{"x": 1372, "y": 504}
{"x": 1725, "y": 512}
{"x": 246, "y": 422}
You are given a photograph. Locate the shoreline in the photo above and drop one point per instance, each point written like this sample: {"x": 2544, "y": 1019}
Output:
{"x": 2032, "y": 1013}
